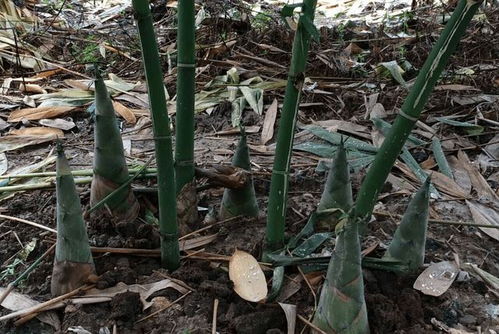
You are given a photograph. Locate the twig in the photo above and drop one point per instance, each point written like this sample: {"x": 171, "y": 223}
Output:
{"x": 438, "y": 221}
{"x": 41, "y": 185}
{"x": 40, "y": 307}
{"x": 28, "y": 223}
{"x": 311, "y": 325}
{"x": 215, "y": 309}
{"x": 35, "y": 264}
{"x": 210, "y": 226}
{"x": 164, "y": 308}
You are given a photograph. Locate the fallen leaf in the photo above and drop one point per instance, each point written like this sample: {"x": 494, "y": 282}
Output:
{"x": 437, "y": 278}
{"x": 490, "y": 279}
{"x": 37, "y": 131}
{"x": 16, "y": 301}
{"x": 447, "y": 185}
{"x": 247, "y": 276}
{"x": 269, "y": 122}
{"x": 32, "y": 88}
{"x": 144, "y": 290}
{"x": 125, "y": 112}
{"x": 485, "y": 215}
{"x": 9, "y": 143}
{"x": 58, "y": 123}
{"x": 290, "y": 312}
{"x": 34, "y": 114}
{"x": 477, "y": 180}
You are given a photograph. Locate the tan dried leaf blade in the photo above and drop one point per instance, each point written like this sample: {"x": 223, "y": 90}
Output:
{"x": 34, "y": 114}
{"x": 247, "y": 276}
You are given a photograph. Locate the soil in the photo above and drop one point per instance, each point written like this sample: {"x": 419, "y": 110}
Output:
{"x": 393, "y": 305}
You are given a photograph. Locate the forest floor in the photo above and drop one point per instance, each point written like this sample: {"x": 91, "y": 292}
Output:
{"x": 360, "y": 69}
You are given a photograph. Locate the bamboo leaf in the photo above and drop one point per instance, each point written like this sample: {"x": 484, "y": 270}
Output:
{"x": 439, "y": 155}
{"x": 472, "y": 129}
{"x": 309, "y": 246}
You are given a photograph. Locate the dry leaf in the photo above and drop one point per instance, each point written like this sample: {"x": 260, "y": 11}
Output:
{"x": 58, "y": 123}
{"x": 269, "y": 122}
{"x": 247, "y": 276}
{"x": 37, "y": 131}
{"x": 125, "y": 112}
{"x": 477, "y": 180}
{"x": 437, "y": 278}
{"x": 34, "y": 114}
{"x": 447, "y": 185}
{"x": 16, "y": 301}
{"x": 32, "y": 88}
{"x": 484, "y": 215}
{"x": 290, "y": 311}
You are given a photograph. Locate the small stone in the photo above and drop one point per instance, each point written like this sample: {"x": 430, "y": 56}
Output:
{"x": 463, "y": 276}
{"x": 468, "y": 319}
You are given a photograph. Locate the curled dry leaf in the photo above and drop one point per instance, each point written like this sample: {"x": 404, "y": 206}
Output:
{"x": 34, "y": 114}
{"x": 125, "y": 112}
{"x": 32, "y": 88}
{"x": 437, "y": 278}
{"x": 247, "y": 276}
{"x": 37, "y": 131}
{"x": 58, "y": 123}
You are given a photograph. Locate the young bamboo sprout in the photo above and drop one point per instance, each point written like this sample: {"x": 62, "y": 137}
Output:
{"x": 342, "y": 307}
{"x": 413, "y": 106}
{"x": 241, "y": 201}
{"x": 337, "y": 194}
{"x": 170, "y": 254}
{"x": 110, "y": 169}
{"x": 73, "y": 263}
{"x": 274, "y": 235}
{"x": 184, "y": 134}
{"x": 408, "y": 244}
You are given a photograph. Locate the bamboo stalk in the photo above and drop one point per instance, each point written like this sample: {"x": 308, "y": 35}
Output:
{"x": 276, "y": 217}
{"x": 186, "y": 86}
{"x": 170, "y": 254}
{"x": 412, "y": 107}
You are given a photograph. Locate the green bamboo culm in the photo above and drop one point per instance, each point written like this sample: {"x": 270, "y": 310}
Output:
{"x": 342, "y": 307}
{"x": 337, "y": 194}
{"x": 170, "y": 254}
{"x": 413, "y": 106}
{"x": 110, "y": 168}
{"x": 241, "y": 201}
{"x": 274, "y": 235}
{"x": 73, "y": 263}
{"x": 187, "y": 204}
{"x": 186, "y": 86}
{"x": 408, "y": 244}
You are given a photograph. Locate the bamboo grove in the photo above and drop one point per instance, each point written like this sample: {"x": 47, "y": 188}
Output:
{"x": 341, "y": 307}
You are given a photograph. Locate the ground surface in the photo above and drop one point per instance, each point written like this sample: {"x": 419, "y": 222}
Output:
{"x": 343, "y": 86}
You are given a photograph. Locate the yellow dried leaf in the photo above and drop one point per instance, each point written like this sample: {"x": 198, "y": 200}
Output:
{"x": 34, "y": 114}
{"x": 125, "y": 112}
{"x": 37, "y": 131}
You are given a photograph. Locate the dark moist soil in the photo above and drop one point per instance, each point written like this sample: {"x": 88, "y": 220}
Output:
{"x": 393, "y": 305}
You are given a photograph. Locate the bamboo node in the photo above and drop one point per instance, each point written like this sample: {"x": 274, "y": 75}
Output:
{"x": 410, "y": 118}
{"x": 186, "y": 65}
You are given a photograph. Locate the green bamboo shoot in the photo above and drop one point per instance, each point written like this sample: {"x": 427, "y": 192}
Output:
{"x": 413, "y": 106}
{"x": 337, "y": 194}
{"x": 170, "y": 254}
{"x": 110, "y": 168}
{"x": 408, "y": 244}
{"x": 236, "y": 202}
{"x": 280, "y": 173}
{"x": 73, "y": 263}
{"x": 342, "y": 307}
